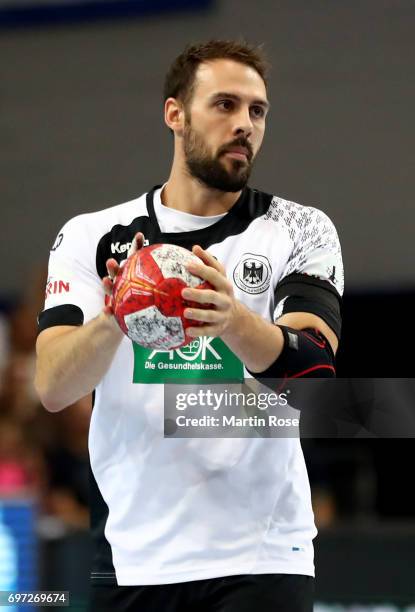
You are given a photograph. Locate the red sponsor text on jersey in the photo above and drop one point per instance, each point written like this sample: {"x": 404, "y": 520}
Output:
{"x": 56, "y": 286}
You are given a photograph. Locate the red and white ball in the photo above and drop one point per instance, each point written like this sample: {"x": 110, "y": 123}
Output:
{"x": 147, "y": 300}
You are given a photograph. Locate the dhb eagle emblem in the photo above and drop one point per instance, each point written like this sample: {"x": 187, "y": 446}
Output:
{"x": 253, "y": 272}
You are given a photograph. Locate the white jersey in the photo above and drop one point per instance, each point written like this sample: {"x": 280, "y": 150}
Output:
{"x": 168, "y": 510}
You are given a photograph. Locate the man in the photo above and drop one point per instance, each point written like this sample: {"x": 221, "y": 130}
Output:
{"x": 197, "y": 524}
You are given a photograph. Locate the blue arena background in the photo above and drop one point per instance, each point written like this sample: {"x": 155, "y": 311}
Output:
{"x": 28, "y": 12}
{"x": 18, "y": 548}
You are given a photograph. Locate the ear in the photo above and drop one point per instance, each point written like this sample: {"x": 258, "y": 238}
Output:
{"x": 174, "y": 115}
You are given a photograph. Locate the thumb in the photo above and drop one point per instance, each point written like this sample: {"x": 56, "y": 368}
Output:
{"x": 136, "y": 244}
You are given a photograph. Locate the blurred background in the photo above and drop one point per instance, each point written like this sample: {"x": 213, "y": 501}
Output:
{"x": 81, "y": 126}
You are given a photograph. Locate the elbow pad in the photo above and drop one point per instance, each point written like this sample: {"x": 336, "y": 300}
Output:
{"x": 306, "y": 354}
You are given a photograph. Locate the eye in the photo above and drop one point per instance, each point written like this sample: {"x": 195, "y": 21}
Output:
{"x": 258, "y": 111}
{"x": 225, "y": 104}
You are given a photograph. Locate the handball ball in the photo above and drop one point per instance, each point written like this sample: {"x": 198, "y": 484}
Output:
{"x": 147, "y": 300}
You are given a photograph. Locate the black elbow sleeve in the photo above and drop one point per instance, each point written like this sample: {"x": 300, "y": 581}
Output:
{"x": 306, "y": 354}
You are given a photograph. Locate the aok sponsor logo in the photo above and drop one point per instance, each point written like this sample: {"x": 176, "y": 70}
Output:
{"x": 56, "y": 286}
{"x": 202, "y": 358}
{"x": 197, "y": 351}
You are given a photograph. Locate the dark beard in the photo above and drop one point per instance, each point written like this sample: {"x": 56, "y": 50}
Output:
{"x": 209, "y": 170}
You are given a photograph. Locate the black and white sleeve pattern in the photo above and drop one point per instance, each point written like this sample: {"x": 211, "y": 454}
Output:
{"x": 313, "y": 277}
{"x": 74, "y": 293}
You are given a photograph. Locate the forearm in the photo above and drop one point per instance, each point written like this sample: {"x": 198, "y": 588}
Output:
{"x": 71, "y": 365}
{"x": 257, "y": 342}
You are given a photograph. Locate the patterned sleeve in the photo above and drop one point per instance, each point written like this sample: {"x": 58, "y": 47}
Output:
{"x": 313, "y": 277}
{"x": 74, "y": 293}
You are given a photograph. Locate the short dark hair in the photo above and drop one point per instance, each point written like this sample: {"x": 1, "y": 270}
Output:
{"x": 180, "y": 78}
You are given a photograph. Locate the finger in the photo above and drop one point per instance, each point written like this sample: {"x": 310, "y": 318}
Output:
{"x": 204, "y": 296}
{"x": 109, "y": 305}
{"x": 199, "y": 314}
{"x": 112, "y": 268}
{"x": 136, "y": 244}
{"x": 208, "y": 258}
{"x": 108, "y": 309}
{"x": 139, "y": 240}
{"x": 108, "y": 285}
{"x": 215, "y": 278}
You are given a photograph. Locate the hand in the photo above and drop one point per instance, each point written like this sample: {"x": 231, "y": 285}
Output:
{"x": 221, "y": 318}
{"x": 113, "y": 267}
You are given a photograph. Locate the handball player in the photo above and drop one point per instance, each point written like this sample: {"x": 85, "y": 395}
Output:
{"x": 178, "y": 524}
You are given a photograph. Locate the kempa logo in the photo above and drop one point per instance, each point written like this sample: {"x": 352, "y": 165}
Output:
{"x": 123, "y": 247}
{"x": 57, "y": 242}
{"x": 252, "y": 273}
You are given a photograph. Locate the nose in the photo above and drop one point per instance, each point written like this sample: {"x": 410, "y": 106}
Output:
{"x": 243, "y": 123}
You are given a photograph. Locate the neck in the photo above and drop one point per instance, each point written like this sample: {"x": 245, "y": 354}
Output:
{"x": 185, "y": 193}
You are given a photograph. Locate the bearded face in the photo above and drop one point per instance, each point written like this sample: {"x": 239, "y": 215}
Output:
{"x": 216, "y": 170}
